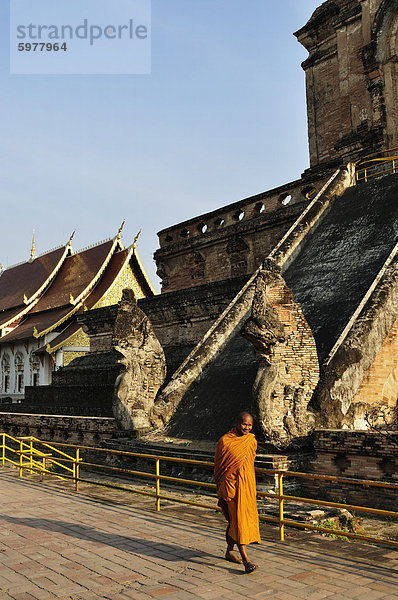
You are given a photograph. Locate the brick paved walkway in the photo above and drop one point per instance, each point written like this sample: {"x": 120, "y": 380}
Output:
{"x": 56, "y": 544}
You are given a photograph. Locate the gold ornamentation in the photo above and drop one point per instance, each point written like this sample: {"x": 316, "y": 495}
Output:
{"x": 120, "y": 228}
{"x": 17, "y": 317}
{"x": 79, "y": 339}
{"x": 68, "y": 356}
{"x": 143, "y": 272}
{"x": 35, "y": 297}
{"x": 101, "y": 270}
{"x": 65, "y": 318}
{"x": 125, "y": 279}
{"x": 33, "y": 249}
{"x": 136, "y": 238}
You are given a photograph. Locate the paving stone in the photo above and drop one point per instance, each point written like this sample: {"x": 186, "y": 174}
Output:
{"x": 66, "y": 546}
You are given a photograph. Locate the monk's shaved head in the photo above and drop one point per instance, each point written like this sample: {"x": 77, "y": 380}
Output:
{"x": 241, "y": 416}
{"x": 243, "y": 423}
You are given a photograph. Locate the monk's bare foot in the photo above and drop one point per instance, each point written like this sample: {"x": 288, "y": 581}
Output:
{"x": 229, "y": 555}
{"x": 250, "y": 567}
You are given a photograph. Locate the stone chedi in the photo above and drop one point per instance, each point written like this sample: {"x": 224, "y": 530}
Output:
{"x": 284, "y": 303}
{"x": 299, "y": 283}
{"x": 351, "y": 79}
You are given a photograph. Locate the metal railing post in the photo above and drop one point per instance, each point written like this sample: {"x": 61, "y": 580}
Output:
{"x": 31, "y": 455}
{"x": 280, "y": 494}
{"x": 3, "y": 450}
{"x": 76, "y": 470}
{"x": 157, "y": 472}
{"x": 20, "y": 458}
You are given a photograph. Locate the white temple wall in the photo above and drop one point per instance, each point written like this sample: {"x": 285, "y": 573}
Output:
{"x": 21, "y": 367}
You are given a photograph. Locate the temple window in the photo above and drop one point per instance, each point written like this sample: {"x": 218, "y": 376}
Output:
{"x": 19, "y": 373}
{"x": 34, "y": 369}
{"x": 202, "y": 227}
{"x": 308, "y": 192}
{"x": 5, "y": 373}
{"x": 238, "y": 215}
{"x": 285, "y": 199}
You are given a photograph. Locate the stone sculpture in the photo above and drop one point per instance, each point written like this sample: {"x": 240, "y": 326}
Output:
{"x": 288, "y": 371}
{"x": 140, "y": 353}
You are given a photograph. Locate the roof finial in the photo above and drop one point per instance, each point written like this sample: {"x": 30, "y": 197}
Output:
{"x": 136, "y": 238}
{"x": 33, "y": 249}
{"x": 71, "y": 237}
{"x": 120, "y": 228}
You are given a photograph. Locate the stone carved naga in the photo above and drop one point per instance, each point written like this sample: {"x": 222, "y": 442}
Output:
{"x": 281, "y": 390}
{"x": 140, "y": 353}
{"x": 265, "y": 330}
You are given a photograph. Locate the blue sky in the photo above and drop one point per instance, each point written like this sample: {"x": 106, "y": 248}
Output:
{"x": 221, "y": 117}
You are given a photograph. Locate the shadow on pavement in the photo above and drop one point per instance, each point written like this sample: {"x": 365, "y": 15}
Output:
{"x": 143, "y": 546}
{"x": 377, "y": 562}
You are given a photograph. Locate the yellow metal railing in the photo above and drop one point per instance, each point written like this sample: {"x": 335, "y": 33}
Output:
{"x": 377, "y": 164}
{"x": 37, "y": 462}
{"x": 23, "y": 452}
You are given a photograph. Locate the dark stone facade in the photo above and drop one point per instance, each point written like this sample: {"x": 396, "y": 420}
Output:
{"x": 339, "y": 261}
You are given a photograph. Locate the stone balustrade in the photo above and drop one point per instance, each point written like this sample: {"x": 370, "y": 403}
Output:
{"x": 244, "y": 210}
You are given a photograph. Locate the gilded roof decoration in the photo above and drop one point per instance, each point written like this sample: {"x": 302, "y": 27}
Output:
{"x": 64, "y": 283}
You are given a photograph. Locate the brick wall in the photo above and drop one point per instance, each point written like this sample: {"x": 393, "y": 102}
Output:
{"x": 351, "y": 80}
{"x": 288, "y": 369}
{"x": 380, "y": 384}
{"x": 87, "y": 431}
{"x": 298, "y": 358}
{"x": 356, "y": 455}
{"x": 231, "y": 241}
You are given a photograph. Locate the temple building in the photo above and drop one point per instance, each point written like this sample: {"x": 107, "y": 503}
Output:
{"x": 351, "y": 91}
{"x": 284, "y": 303}
{"x": 41, "y": 299}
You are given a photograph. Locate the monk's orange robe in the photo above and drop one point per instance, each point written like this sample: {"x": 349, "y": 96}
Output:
{"x": 236, "y": 485}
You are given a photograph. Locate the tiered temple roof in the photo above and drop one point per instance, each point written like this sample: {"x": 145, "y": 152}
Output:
{"x": 45, "y": 294}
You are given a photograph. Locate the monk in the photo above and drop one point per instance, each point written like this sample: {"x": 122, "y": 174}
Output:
{"x": 236, "y": 488}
